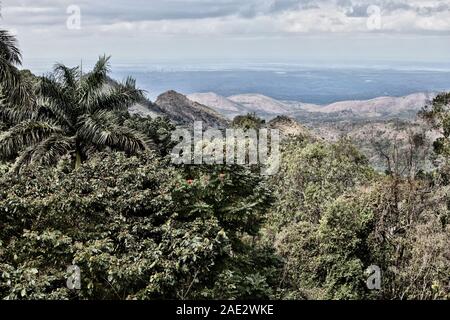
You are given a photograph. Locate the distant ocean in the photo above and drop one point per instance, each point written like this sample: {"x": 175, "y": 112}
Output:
{"x": 312, "y": 84}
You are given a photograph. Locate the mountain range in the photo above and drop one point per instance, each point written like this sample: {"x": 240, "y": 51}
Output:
{"x": 218, "y": 111}
{"x": 384, "y": 120}
{"x": 383, "y": 107}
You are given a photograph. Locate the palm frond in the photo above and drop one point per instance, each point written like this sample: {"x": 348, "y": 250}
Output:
{"x": 25, "y": 134}
{"x": 17, "y": 89}
{"x": 101, "y": 129}
{"x": 15, "y": 114}
{"x": 9, "y": 51}
{"x": 47, "y": 109}
{"x": 129, "y": 140}
{"x": 120, "y": 97}
{"x": 68, "y": 76}
{"x": 41, "y": 110}
{"x": 96, "y": 79}
{"x": 49, "y": 87}
{"x": 57, "y": 94}
{"x": 22, "y": 92}
{"x": 100, "y": 71}
{"x": 47, "y": 152}
{"x": 9, "y": 75}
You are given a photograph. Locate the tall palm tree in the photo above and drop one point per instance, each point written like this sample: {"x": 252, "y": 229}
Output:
{"x": 73, "y": 114}
{"x": 16, "y": 89}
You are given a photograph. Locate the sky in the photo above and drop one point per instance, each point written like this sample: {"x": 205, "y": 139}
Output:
{"x": 323, "y": 31}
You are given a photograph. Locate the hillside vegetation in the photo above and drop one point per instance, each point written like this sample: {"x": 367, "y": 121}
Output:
{"x": 85, "y": 183}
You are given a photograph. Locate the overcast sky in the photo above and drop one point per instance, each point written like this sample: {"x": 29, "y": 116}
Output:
{"x": 223, "y": 30}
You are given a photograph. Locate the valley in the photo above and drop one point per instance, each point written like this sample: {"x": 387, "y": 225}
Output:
{"x": 382, "y": 128}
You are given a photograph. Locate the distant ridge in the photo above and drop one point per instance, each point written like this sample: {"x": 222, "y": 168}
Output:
{"x": 217, "y": 102}
{"x": 266, "y": 107}
{"x": 378, "y": 106}
{"x": 233, "y": 106}
{"x": 260, "y": 104}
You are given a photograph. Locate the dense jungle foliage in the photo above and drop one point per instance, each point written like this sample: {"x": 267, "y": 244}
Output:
{"x": 84, "y": 183}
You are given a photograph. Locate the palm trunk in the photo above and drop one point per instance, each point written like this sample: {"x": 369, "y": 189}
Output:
{"x": 78, "y": 160}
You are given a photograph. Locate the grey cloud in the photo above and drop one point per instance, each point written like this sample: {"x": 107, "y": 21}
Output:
{"x": 105, "y": 12}
{"x": 357, "y": 11}
{"x": 189, "y": 9}
{"x": 357, "y": 8}
{"x": 393, "y": 5}
{"x": 108, "y": 12}
{"x": 429, "y": 11}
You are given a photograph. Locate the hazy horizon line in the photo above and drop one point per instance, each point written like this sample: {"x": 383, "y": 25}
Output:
{"x": 175, "y": 65}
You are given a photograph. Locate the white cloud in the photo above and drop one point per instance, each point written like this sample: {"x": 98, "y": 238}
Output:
{"x": 152, "y": 26}
{"x": 236, "y": 16}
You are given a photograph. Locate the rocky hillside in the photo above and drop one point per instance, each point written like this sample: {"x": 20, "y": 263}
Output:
{"x": 177, "y": 107}
{"x": 289, "y": 127}
{"x": 375, "y": 139}
{"x": 184, "y": 111}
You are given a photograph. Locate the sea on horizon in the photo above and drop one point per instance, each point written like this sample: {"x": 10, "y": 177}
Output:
{"x": 283, "y": 81}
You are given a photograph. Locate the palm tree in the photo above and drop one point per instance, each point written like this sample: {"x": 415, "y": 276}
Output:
{"x": 16, "y": 89}
{"x": 73, "y": 114}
